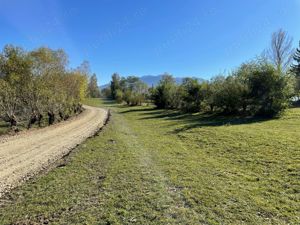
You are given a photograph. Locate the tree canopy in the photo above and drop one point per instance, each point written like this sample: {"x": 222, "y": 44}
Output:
{"x": 130, "y": 90}
{"x": 255, "y": 88}
{"x": 93, "y": 89}
{"x": 37, "y": 84}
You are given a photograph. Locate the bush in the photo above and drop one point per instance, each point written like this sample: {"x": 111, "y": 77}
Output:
{"x": 270, "y": 90}
{"x": 192, "y": 95}
{"x": 255, "y": 88}
{"x": 166, "y": 94}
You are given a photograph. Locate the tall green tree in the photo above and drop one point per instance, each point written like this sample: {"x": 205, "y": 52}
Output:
{"x": 93, "y": 89}
{"x": 134, "y": 90}
{"x": 296, "y": 67}
{"x": 296, "y": 71}
{"x": 115, "y": 85}
{"x": 165, "y": 94}
{"x": 192, "y": 95}
{"x": 270, "y": 90}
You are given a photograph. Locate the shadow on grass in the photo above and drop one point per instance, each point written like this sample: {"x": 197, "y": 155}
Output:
{"x": 107, "y": 101}
{"x": 138, "y": 110}
{"x": 194, "y": 120}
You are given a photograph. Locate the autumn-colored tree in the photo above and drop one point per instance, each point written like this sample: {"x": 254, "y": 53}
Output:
{"x": 37, "y": 84}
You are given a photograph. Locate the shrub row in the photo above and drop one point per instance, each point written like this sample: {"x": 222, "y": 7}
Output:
{"x": 37, "y": 84}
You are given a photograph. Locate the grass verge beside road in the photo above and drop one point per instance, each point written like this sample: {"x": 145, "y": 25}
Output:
{"x": 161, "y": 167}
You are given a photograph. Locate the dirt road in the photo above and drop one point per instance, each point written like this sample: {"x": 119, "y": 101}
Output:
{"x": 24, "y": 155}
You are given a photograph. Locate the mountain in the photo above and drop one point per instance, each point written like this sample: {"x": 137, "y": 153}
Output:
{"x": 153, "y": 80}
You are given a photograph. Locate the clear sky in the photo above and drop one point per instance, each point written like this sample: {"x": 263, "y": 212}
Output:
{"x": 149, "y": 37}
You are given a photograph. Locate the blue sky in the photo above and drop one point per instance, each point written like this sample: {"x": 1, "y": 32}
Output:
{"x": 143, "y": 37}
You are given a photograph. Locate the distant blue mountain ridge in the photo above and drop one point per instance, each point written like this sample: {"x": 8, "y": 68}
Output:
{"x": 153, "y": 80}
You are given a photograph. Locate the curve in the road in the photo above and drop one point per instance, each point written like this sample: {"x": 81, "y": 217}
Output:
{"x": 26, "y": 154}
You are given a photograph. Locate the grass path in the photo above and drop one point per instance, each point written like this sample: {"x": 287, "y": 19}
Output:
{"x": 157, "y": 167}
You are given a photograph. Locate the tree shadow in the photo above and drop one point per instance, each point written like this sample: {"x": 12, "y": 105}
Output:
{"x": 188, "y": 120}
{"x": 214, "y": 121}
{"x": 107, "y": 101}
{"x": 197, "y": 120}
{"x": 138, "y": 110}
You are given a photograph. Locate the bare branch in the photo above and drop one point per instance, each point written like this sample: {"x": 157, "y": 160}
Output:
{"x": 281, "y": 50}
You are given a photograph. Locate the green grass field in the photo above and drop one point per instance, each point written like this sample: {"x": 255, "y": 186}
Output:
{"x": 160, "y": 167}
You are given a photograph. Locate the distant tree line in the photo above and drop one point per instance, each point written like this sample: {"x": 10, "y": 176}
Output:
{"x": 264, "y": 86}
{"x": 36, "y": 85}
{"x": 130, "y": 90}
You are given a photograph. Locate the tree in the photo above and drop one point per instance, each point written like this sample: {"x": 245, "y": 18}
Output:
{"x": 83, "y": 73}
{"x": 214, "y": 93}
{"x": 115, "y": 85}
{"x": 119, "y": 96}
{"x": 192, "y": 95}
{"x": 84, "y": 68}
{"x": 93, "y": 89}
{"x": 15, "y": 79}
{"x": 296, "y": 70}
{"x": 269, "y": 89}
{"x": 140, "y": 93}
{"x": 281, "y": 51}
{"x": 255, "y": 88}
{"x": 134, "y": 90}
{"x": 37, "y": 84}
{"x": 164, "y": 95}
{"x": 208, "y": 96}
{"x": 8, "y": 103}
{"x": 50, "y": 66}
{"x": 231, "y": 95}
{"x": 130, "y": 90}
{"x": 296, "y": 57}
{"x": 106, "y": 92}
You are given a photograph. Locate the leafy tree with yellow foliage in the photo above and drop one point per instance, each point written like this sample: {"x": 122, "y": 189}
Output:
{"x": 37, "y": 84}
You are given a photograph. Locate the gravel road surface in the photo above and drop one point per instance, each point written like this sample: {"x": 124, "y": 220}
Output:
{"x": 24, "y": 155}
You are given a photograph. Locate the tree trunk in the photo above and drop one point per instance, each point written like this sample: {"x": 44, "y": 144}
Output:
{"x": 61, "y": 115}
{"x": 13, "y": 121}
{"x": 32, "y": 120}
{"x": 35, "y": 117}
{"x": 39, "y": 118}
{"x": 51, "y": 118}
